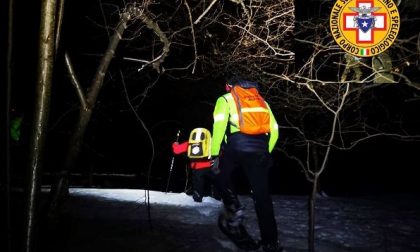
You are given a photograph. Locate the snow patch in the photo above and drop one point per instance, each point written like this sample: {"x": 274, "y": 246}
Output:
{"x": 155, "y": 197}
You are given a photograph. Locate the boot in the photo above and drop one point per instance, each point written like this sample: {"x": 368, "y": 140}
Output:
{"x": 215, "y": 193}
{"x": 234, "y": 216}
{"x": 197, "y": 197}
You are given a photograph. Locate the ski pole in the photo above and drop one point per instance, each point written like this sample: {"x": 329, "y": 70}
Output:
{"x": 172, "y": 162}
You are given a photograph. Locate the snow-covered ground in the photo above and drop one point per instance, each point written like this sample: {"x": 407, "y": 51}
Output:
{"x": 118, "y": 220}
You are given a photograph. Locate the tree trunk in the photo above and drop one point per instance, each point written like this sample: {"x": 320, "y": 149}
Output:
{"x": 311, "y": 219}
{"x": 59, "y": 24}
{"x": 38, "y": 136}
{"x": 316, "y": 175}
{"x": 6, "y": 242}
{"x": 59, "y": 190}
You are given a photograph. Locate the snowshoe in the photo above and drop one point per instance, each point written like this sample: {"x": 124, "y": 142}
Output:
{"x": 272, "y": 247}
{"x": 237, "y": 234}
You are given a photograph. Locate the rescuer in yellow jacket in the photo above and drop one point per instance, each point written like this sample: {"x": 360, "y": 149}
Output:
{"x": 245, "y": 132}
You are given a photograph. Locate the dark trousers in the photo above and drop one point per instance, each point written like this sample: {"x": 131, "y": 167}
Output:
{"x": 256, "y": 166}
{"x": 203, "y": 180}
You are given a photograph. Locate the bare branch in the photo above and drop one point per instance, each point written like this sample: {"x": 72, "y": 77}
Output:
{"x": 192, "y": 33}
{"x": 75, "y": 81}
{"x": 205, "y": 12}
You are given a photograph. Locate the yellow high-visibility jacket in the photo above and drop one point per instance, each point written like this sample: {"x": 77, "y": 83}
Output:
{"x": 225, "y": 112}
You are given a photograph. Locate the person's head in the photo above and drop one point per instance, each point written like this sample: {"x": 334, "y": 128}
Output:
{"x": 237, "y": 80}
{"x": 230, "y": 82}
{"x": 228, "y": 87}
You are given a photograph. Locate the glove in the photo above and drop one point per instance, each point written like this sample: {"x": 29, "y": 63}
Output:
{"x": 215, "y": 165}
{"x": 178, "y": 148}
{"x": 175, "y": 147}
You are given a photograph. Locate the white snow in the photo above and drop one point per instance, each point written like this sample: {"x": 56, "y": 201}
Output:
{"x": 155, "y": 197}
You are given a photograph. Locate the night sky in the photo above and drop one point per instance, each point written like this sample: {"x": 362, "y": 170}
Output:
{"x": 116, "y": 142}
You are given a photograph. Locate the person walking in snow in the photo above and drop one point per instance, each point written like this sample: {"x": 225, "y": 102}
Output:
{"x": 198, "y": 151}
{"x": 244, "y": 134}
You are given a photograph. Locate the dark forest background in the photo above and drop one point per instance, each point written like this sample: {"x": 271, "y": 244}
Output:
{"x": 116, "y": 143}
{"x": 339, "y": 135}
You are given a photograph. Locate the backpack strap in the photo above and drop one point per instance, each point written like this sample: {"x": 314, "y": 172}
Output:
{"x": 233, "y": 113}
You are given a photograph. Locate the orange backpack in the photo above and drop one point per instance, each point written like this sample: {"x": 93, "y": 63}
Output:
{"x": 253, "y": 113}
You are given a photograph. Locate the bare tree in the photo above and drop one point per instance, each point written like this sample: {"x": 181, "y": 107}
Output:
{"x": 331, "y": 116}
{"x": 131, "y": 12}
{"x": 253, "y": 39}
{"x": 43, "y": 91}
{"x": 6, "y": 181}
{"x": 317, "y": 101}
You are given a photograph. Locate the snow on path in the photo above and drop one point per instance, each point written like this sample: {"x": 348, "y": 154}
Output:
{"x": 117, "y": 220}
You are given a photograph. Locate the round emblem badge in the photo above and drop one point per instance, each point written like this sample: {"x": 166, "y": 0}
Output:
{"x": 364, "y": 28}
